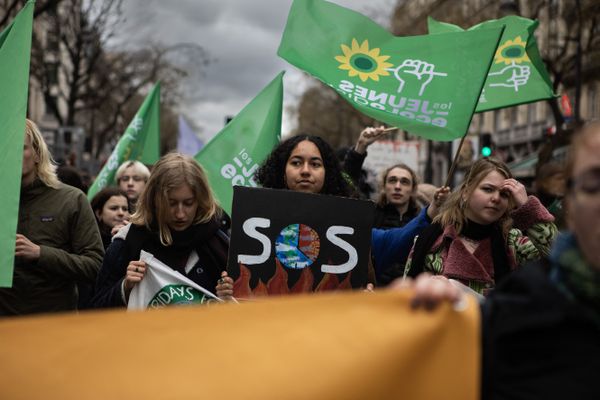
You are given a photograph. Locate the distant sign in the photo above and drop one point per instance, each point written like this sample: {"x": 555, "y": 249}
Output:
{"x": 385, "y": 153}
{"x": 285, "y": 242}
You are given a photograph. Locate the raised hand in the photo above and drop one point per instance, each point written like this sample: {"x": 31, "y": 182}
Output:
{"x": 439, "y": 197}
{"x": 368, "y": 136}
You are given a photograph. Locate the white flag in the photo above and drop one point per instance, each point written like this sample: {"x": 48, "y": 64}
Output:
{"x": 162, "y": 286}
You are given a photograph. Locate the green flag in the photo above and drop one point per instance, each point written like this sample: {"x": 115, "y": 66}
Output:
{"x": 15, "y": 51}
{"x": 517, "y": 75}
{"x": 234, "y": 154}
{"x": 427, "y": 85}
{"x": 139, "y": 142}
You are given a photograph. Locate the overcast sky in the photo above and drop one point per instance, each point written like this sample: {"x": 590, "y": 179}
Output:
{"x": 241, "y": 37}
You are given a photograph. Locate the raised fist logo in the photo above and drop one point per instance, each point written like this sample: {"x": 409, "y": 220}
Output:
{"x": 422, "y": 70}
{"x": 512, "y": 76}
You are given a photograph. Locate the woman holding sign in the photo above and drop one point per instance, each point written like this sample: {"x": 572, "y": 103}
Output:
{"x": 177, "y": 221}
{"x": 308, "y": 164}
{"x": 478, "y": 237}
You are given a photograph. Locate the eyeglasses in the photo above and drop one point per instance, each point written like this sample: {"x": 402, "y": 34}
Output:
{"x": 126, "y": 178}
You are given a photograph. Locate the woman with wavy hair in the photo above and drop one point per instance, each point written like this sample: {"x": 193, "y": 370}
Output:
{"x": 478, "y": 237}
{"x": 178, "y": 221}
{"x": 307, "y": 163}
{"x": 284, "y": 168}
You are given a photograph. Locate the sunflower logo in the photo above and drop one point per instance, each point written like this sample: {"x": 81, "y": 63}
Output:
{"x": 513, "y": 51}
{"x": 359, "y": 60}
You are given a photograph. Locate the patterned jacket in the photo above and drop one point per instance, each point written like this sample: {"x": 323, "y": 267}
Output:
{"x": 449, "y": 257}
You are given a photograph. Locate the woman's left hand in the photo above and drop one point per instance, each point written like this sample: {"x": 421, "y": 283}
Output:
{"x": 224, "y": 287}
{"x": 517, "y": 191}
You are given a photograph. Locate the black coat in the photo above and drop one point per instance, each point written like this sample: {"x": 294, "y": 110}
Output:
{"x": 387, "y": 217}
{"x": 537, "y": 344}
{"x": 212, "y": 261}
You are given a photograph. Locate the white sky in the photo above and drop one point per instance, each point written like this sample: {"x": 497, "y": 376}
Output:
{"x": 241, "y": 37}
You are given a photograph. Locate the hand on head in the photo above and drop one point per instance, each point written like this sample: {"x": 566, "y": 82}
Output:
{"x": 517, "y": 191}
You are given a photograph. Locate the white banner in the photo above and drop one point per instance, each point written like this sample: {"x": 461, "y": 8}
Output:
{"x": 162, "y": 286}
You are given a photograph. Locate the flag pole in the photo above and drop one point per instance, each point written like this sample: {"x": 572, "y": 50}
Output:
{"x": 453, "y": 166}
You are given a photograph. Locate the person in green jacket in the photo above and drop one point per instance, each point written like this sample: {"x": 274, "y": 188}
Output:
{"x": 58, "y": 244}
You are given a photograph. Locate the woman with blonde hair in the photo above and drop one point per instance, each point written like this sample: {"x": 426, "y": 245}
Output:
{"x": 177, "y": 220}
{"x": 57, "y": 244}
{"x": 132, "y": 176}
{"x": 478, "y": 236}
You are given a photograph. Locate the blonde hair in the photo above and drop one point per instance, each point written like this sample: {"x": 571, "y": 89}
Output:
{"x": 171, "y": 172}
{"x": 452, "y": 212}
{"x": 138, "y": 168}
{"x": 45, "y": 167}
{"x": 382, "y": 201}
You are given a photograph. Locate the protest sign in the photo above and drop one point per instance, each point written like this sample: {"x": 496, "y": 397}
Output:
{"x": 289, "y": 242}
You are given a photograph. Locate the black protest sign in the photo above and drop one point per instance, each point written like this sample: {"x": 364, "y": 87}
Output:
{"x": 290, "y": 242}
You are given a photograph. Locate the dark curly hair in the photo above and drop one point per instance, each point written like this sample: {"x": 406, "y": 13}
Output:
{"x": 272, "y": 172}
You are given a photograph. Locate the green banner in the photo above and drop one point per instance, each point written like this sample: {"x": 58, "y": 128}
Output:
{"x": 15, "y": 51}
{"x": 427, "y": 85}
{"x": 234, "y": 154}
{"x": 139, "y": 142}
{"x": 517, "y": 75}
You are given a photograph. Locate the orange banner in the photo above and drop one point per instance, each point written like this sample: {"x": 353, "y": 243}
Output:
{"x": 350, "y": 345}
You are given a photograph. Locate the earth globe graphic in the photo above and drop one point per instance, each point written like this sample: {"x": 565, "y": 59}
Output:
{"x": 297, "y": 246}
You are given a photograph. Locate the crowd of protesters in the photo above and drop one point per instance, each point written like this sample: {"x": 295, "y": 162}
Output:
{"x": 487, "y": 237}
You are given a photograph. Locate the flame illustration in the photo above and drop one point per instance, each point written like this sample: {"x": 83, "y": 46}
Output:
{"x": 278, "y": 283}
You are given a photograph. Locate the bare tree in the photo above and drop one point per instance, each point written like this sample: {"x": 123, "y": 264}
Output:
{"x": 9, "y": 8}
{"x": 85, "y": 84}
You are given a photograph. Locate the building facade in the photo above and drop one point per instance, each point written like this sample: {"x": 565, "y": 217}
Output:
{"x": 518, "y": 132}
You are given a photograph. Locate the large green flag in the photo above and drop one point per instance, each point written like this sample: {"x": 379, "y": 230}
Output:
{"x": 139, "y": 142}
{"x": 234, "y": 154}
{"x": 517, "y": 75}
{"x": 427, "y": 85}
{"x": 15, "y": 51}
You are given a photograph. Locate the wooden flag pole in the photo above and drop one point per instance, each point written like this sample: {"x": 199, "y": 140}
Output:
{"x": 453, "y": 166}
{"x": 393, "y": 128}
